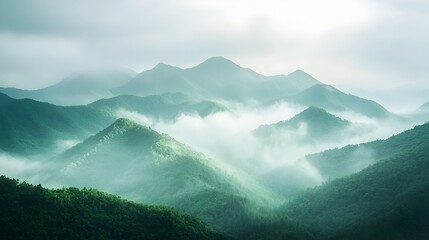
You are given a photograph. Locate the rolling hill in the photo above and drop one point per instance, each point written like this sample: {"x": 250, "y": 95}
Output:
{"x": 387, "y": 199}
{"x": 33, "y": 212}
{"x": 319, "y": 124}
{"x": 352, "y": 158}
{"x": 332, "y": 99}
{"x": 140, "y": 164}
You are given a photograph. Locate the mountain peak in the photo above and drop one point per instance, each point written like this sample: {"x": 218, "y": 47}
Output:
{"x": 314, "y": 112}
{"x": 164, "y": 66}
{"x": 122, "y": 125}
{"x": 216, "y": 63}
{"x": 301, "y": 75}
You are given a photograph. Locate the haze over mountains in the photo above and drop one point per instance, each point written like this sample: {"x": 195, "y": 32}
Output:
{"x": 247, "y": 156}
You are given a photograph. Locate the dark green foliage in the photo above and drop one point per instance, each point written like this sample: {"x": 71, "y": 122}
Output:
{"x": 33, "y": 212}
{"x": 389, "y": 193}
{"x": 320, "y": 125}
{"x": 405, "y": 218}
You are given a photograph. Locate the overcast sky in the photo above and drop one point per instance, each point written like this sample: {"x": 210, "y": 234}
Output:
{"x": 359, "y": 43}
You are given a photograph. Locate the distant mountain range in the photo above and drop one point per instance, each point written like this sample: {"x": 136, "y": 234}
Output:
{"x": 215, "y": 78}
{"x": 319, "y": 125}
{"x": 30, "y": 127}
{"x": 78, "y": 89}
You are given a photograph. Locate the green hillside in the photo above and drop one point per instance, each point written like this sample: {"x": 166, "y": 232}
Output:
{"x": 33, "y": 212}
{"x": 140, "y": 164}
{"x": 30, "y": 127}
{"x": 341, "y": 162}
{"x": 384, "y": 196}
{"x": 332, "y": 99}
{"x": 319, "y": 124}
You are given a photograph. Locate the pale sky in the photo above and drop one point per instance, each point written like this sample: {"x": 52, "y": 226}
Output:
{"x": 357, "y": 43}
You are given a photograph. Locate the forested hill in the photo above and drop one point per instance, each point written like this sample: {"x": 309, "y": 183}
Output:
{"x": 388, "y": 200}
{"x": 33, "y": 212}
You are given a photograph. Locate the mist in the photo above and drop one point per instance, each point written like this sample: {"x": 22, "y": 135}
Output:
{"x": 229, "y": 137}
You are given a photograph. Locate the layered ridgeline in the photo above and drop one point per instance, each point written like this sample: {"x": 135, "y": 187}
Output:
{"x": 140, "y": 164}
{"x": 352, "y": 158}
{"x": 33, "y": 212}
{"x": 388, "y": 200}
{"x": 333, "y": 100}
{"x": 164, "y": 107}
{"x": 316, "y": 123}
{"x": 217, "y": 77}
{"x": 80, "y": 88}
{"x": 31, "y": 127}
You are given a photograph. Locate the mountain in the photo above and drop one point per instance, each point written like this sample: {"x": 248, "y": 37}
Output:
{"x": 318, "y": 123}
{"x": 216, "y": 77}
{"x": 386, "y": 200}
{"x": 30, "y": 127}
{"x": 140, "y": 164}
{"x": 34, "y": 212}
{"x": 332, "y": 99}
{"x": 352, "y": 158}
{"x": 77, "y": 89}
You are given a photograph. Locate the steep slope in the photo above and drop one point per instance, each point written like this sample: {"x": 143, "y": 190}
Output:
{"x": 31, "y": 127}
{"x": 33, "y": 212}
{"x": 81, "y": 88}
{"x": 383, "y": 193}
{"x": 332, "y": 99}
{"x": 216, "y": 77}
{"x": 319, "y": 125}
{"x": 341, "y": 162}
{"x": 140, "y": 164}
